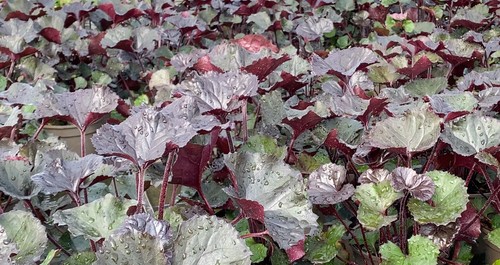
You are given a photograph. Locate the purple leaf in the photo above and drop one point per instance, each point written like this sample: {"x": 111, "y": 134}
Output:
{"x": 344, "y": 62}
{"x": 420, "y": 186}
{"x": 143, "y": 137}
{"x": 264, "y": 66}
{"x": 326, "y": 185}
{"x": 442, "y": 235}
{"x": 82, "y": 107}
{"x": 473, "y": 231}
{"x": 66, "y": 175}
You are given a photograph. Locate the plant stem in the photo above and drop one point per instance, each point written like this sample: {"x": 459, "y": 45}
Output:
{"x": 480, "y": 213}
{"x": 230, "y": 140}
{"x": 358, "y": 245}
{"x": 82, "y": 143}
{"x": 402, "y": 223}
{"x": 57, "y": 245}
{"x": 174, "y": 194}
{"x": 40, "y": 128}
{"x": 139, "y": 179}
{"x": 237, "y": 219}
{"x": 113, "y": 179}
{"x": 366, "y": 244}
{"x": 258, "y": 234}
{"x": 244, "y": 125}
{"x": 164, "y": 184}
{"x": 430, "y": 158}
{"x": 469, "y": 176}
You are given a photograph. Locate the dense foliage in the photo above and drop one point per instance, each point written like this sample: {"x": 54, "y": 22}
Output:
{"x": 240, "y": 132}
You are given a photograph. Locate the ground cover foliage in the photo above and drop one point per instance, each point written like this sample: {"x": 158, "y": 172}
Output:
{"x": 274, "y": 132}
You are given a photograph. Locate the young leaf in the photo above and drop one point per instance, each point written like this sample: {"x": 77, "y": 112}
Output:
{"x": 420, "y": 186}
{"x": 375, "y": 199}
{"x": 441, "y": 235}
{"x": 140, "y": 240}
{"x": 324, "y": 247}
{"x": 326, "y": 185}
{"x": 210, "y": 240}
{"x": 345, "y": 62}
{"x": 262, "y": 179}
{"x": 471, "y": 134}
{"x": 494, "y": 237}
{"x": 27, "y": 233}
{"x": 374, "y": 176}
{"x": 66, "y": 175}
{"x": 416, "y": 131}
{"x": 448, "y": 202}
{"x": 95, "y": 220}
{"x": 421, "y": 252}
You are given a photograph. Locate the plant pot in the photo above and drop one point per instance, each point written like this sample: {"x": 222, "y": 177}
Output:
{"x": 70, "y": 134}
{"x": 492, "y": 252}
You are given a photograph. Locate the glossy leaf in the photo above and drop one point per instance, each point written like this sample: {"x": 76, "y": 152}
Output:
{"x": 448, "y": 202}
{"x": 210, "y": 240}
{"x": 8, "y": 249}
{"x": 374, "y": 176}
{"x": 16, "y": 181}
{"x": 95, "y": 220}
{"x": 426, "y": 87}
{"x": 324, "y": 247}
{"x": 27, "y": 233}
{"x": 471, "y": 134}
{"x": 312, "y": 28}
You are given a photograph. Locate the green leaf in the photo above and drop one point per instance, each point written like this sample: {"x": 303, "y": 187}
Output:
{"x": 279, "y": 257}
{"x": 383, "y": 73}
{"x": 387, "y": 3}
{"x": 422, "y": 251}
{"x": 343, "y": 41}
{"x": 210, "y": 240}
{"x": 453, "y": 102}
{"x": 324, "y": 247}
{"x": 345, "y": 5}
{"x": 472, "y": 133}
{"x": 494, "y": 237}
{"x": 95, "y": 220}
{"x": 3, "y": 82}
{"x": 259, "y": 251}
{"x": 449, "y": 200}
{"x": 416, "y": 131}
{"x": 50, "y": 256}
{"x": 122, "y": 249}
{"x": 408, "y": 25}
{"x": 262, "y": 22}
{"x": 82, "y": 258}
{"x": 27, "y": 233}
{"x": 263, "y": 144}
{"x": 375, "y": 199}
{"x": 80, "y": 82}
{"x": 141, "y": 100}
{"x": 101, "y": 78}
{"x": 426, "y": 87}
{"x": 465, "y": 256}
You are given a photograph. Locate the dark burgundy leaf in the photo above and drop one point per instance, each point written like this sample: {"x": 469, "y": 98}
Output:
{"x": 422, "y": 65}
{"x": 333, "y": 142}
{"x": 264, "y": 66}
{"x": 306, "y": 122}
{"x": 474, "y": 230}
{"x": 251, "y": 209}
{"x": 296, "y": 252}
{"x": 51, "y": 34}
{"x": 204, "y": 65}
{"x": 290, "y": 83}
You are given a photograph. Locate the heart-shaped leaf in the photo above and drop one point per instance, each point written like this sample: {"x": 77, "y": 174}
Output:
{"x": 326, "y": 185}
{"x": 27, "y": 233}
{"x": 95, "y": 220}
{"x": 374, "y": 176}
{"x": 441, "y": 235}
{"x": 312, "y": 28}
{"x": 345, "y": 62}
{"x": 210, "y": 240}
{"x": 448, "y": 202}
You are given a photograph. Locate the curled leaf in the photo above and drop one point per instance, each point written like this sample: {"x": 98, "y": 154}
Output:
{"x": 420, "y": 186}
{"x": 326, "y": 185}
{"x": 374, "y": 175}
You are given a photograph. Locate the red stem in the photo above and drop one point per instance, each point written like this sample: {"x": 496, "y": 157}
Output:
{"x": 258, "y": 234}
{"x": 140, "y": 188}
{"x": 402, "y": 223}
{"x": 358, "y": 245}
{"x": 82, "y": 143}
{"x": 469, "y": 176}
{"x": 366, "y": 245}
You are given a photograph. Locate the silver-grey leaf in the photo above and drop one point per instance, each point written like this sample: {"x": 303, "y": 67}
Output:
{"x": 374, "y": 175}
{"x": 345, "y": 62}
